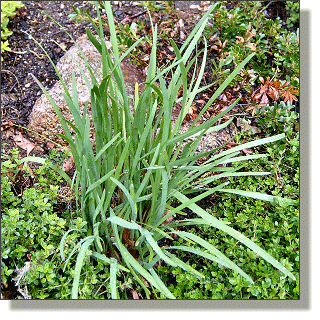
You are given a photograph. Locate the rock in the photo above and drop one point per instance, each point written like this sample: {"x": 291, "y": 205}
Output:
{"x": 211, "y": 140}
{"x": 44, "y": 122}
{"x": 43, "y": 119}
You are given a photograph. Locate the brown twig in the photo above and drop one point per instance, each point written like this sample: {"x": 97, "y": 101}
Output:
{"x": 8, "y": 71}
{"x": 137, "y": 14}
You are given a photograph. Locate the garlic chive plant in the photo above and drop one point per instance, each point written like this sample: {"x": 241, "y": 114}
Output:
{"x": 141, "y": 160}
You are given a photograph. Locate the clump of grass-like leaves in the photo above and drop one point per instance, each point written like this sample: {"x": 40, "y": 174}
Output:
{"x": 139, "y": 165}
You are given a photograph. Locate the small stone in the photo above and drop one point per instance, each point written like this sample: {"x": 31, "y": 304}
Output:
{"x": 62, "y": 6}
{"x": 63, "y": 46}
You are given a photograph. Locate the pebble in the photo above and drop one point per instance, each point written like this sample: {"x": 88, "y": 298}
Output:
{"x": 62, "y": 6}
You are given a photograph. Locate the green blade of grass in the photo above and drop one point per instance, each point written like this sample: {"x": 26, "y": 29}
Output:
{"x": 128, "y": 196}
{"x": 198, "y": 252}
{"x": 123, "y": 223}
{"x": 49, "y": 164}
{"x": 260, "y": 196}
{"x": 128, "y": 258}
{"x": 185, "y": 266}
{"x": 235, "y": 234}
{"x": 244, "y": 158}
{"x": 156, "y": 248}
{"x": 189, "y": 202}
{"x": 249, "y": 145}
{"x": 224, "y": 260}
{"x": 78, "y": 267}
{"x": 63, "y": 240}
{"x": 161, "y": 284}
{"x": 223, "y": 87}
{"x": 107, "y": 260}
{"x": 113, "y": 278}
{"x": 233, "y": 174}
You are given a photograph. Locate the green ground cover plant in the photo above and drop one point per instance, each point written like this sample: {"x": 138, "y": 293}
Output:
{"x": 273, "y": 226}
{"x": 237, "y": 32}
{"x": 133, "y": 254}
{"x": 31, "y": 232}
{"x": 292, "y": 8}
{"x": 125, "y": 188}
{"x": 8, "y": 10}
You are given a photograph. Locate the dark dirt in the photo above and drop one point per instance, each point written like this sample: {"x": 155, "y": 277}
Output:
{"x": 19, "y": 92}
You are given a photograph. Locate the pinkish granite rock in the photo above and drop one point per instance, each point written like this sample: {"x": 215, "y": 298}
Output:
{"x": 43, "y": 119}
{"x": 45, "y": 123}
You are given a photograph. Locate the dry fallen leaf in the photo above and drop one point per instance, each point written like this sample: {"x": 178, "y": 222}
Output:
{"x": 50, "y": 145}
{"x": 24, "y": 143}
{"x": 251, "y": 46}
{"x": 146, "y": 282}
{"x": 239, "y": 41}
{"x": 67, "y": 165}
{"x": 135, "y": 294}
{"x": 6, "y": 125}
{"x": 245, "y": 126}
{"x": 125, "y": 20}
{"x": 275, "y": 90}
{"x": 180, "y": 23}
{"x": 247, "y": 151}
{"x": 169, "y": 220}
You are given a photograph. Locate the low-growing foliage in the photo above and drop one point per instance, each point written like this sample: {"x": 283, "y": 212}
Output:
{"x": 31, "y": 232}
{"x": 292, "y": 8}
{"x": 126, "y": 186}
{"x": 155, "y": 6}
{"x": 237, "y": 32}
{"x": 8, "y": 10}
{"x": 275, "y": 227}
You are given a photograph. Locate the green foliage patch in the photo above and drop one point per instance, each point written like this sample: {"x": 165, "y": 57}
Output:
{"x": 8, "y": 10}
{"x": 275, "y": 227}
{"x": 245, "y": 28}
{"x": 31, "y": 232}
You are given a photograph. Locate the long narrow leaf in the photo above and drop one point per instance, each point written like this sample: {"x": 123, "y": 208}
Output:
{"x": 78, "y": 267}
{"x": 113, "y": 278}
{"x": 224, "y": 260}
{"x": 161, "y": 284}
{"x": 260, "y": 196}
{"x": 209, "y": 219}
